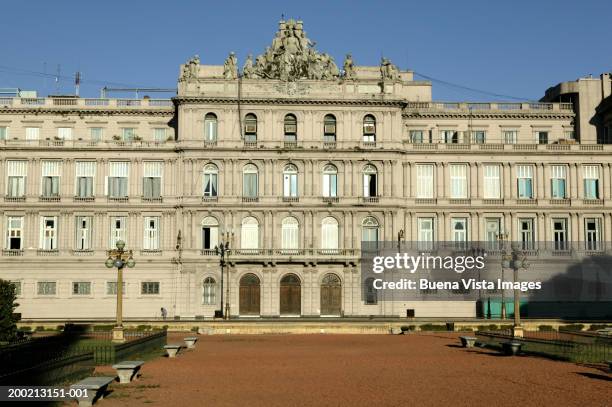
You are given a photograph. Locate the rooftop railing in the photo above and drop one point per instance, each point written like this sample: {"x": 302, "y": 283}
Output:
{"x": 489, "y": 106}
{"x": 84, "y": 102}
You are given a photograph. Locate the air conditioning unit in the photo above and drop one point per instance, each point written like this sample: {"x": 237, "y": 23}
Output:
{"x": 290, "y": 128}
{"x": 329, "y": 129}
{"x": 250, "y": 128}
{"x": 369, "y": 128}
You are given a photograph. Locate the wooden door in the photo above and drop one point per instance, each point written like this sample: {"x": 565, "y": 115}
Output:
{"x": 290, "y": 295}
{"x": 331, "y": 295}
{"x": 249, "y": 295}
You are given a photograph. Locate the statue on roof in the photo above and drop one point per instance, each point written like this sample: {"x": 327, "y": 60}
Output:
{"x": 190, "y": 69}
{"x": 388, "y": 71}
{"x": 247, "y": 70}
{"x": 349, "y": 70}
{"x": 292, "y": 56}
{"x": 230, "y": 67}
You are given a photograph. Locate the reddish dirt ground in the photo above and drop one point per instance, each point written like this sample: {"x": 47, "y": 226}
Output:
{"x": 357, "y": 370}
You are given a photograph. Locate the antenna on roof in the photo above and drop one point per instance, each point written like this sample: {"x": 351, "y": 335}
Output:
{"x": 57, "y": 76}
{"x": 77, "y": 82}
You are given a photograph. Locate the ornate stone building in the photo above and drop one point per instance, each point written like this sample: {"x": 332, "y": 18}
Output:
{"x": 294, "y": 162}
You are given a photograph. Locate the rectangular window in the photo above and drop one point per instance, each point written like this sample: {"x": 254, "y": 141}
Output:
{"x": 81, "y": 288}
{"x": 85, "y": 175}
{"x": 17, "y": 285}
{"x": 492, "y": 228}
{"x": 151, "y": 233}
{"x": 159, "y": 135}
{"x": 32, "y": 133}
{"x": 526, "y": 233}
{"x": 458, "y": 181}
{"x": 492, "y": 183}
{"x": 64, "y": 133}
{"x": 479, "y": 136}
{"x": 425, "y": 180}
{"x": 370, "y": 184}
{"x": 210, "y": 237}
{"x": 111, "y": 288}
{"x": 152, "y": 180}
{"x": 449, "y": 136}
{"x": 51, "y": 173}
{"x": 83, "y": 232}
{"x": 591, "y": 181}
{"x": 14, "y": 233}
{"x": 426, "y": 233}
{"x": 542, "y": 137}
{"x": 48, "y": 233}
{"x": 118, "y": 230}
{"x": 290, "y": 187}
{"x": 592, "y": 233}
{"x": 330, "y": 184}
{"x": 46, "y": 288}
{"x": 149, "y": 288}
{"x": 416, "y": 136}
{"x": 509, "y": 136}
{"x": 128, "y": 134}
{"x": 96, "y": 134}
{"x": 560, "y": 234}
{"x": 524, "y": 175}
{"x": 17, "y": 171}
{"x": 459, "y": 229}
{"x": 118, "y": 179}
{"x": 558, "y": 181}
{"x": 250, "y": 185}
{"x": 3, "y": 133}
{"x": 210, "y": 182}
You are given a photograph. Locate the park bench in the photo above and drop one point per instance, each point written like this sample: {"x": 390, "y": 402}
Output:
{"x": 190, "y": 341}
{"x": 511, "y": 348}
{"x": 96, "y": 388}
{"x": 127, "y": 370}
{"x": 468, "y": 341}
{"x": 172, "y": 350}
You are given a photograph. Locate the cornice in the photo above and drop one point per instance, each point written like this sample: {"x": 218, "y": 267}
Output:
{"x": 288, "y": 101}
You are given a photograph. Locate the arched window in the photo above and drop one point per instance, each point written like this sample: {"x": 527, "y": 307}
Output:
{"x": 249, "y": 234}
{"x": 370, "y": 181}
{"x": 210, "y": 291}
{"x": 210, "y": 127}
{"x": 369, "y": 229}
{"x": 290, "y": 128}
{"x": 290, "y": 233}
{"x": 330, "y": 181}
{"x": 370, "y": 293}
{"x": 290, "y": 181}
{"x": 329, "y": 234}
{"x": 211, "y": 180}
{"x": 329, "y": 128}
{"x": 210, "y": 233}
{"x": 331, "y": 279}
{"x": 250, "y": 128}
{"x": 250, "y": 181}
{"x": 369, "y": 129}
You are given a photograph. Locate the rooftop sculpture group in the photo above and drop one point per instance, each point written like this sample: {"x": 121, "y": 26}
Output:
{"x": 291, "y": 56}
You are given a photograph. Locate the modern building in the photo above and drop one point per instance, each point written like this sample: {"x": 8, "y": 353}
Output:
{"x": 294, "y": 162}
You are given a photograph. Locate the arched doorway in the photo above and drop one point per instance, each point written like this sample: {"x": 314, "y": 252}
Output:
{"x": 331, "y": 295}
{"x": 290, "y": 295}
{"x": 249, "y": 295}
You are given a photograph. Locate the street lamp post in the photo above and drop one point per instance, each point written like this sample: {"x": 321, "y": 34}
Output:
{"x": 119, "y": 258}
{"x": 515, "y": 260}
{"x": 221, "y": 250}
{"x": 502, "y": 242}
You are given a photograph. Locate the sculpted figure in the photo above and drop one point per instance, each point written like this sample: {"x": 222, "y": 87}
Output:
{"x": 190, "y": 69}
{"x": 291, "y": 44}
{"x": 349, "y": 71}
{"x": 230, "y": 68}
{"x": 247, "y": 70}
{"x": 388, "y": 70}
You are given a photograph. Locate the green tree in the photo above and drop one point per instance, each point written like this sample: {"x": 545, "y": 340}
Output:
{"x": 8, "y": 320}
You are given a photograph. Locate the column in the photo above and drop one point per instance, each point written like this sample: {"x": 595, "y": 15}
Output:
{"x": 507, "y": 181}
{"x": 473, "y": 181}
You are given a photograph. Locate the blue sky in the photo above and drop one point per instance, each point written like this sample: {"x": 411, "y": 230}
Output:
{"x": 514, "y": 48}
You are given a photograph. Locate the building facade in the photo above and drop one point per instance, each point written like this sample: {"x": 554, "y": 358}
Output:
{"x": 293, "y": 163}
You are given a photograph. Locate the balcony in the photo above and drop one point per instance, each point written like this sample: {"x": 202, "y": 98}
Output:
{"x": 459, "y": 201}
{"x": 329, "y": 145}
{"x": 370, "y": 199}
{"x": 289, "y": 144}
{"x": 82, "y": 252}
{"x": 527, "y": 201}
{"x": 12, "y": 252}
{"x": 210, "y": 199}
{"x": 494, "y": 201}
{"x": 291, "y": 199}
{"x": 279, "y": 254}
{"x": 425, "y": 201}
{"x": 593, "y": 202}
{"x": 250, "y": 199}
{"x": 151, "y": 252}
{"x": 118, "y": 199}
{"x": 44, "y": 252}
{"x": 49, "y": 198}
{"x": 250, "y": 144}
{"x": 84, "y": 198}
{"x": 210, "y": 143}
{"x": 368, "y": 144}
{"x": 8, "y": 198}
{"x": 330, "y": 199}
{"x": 559, "y": 201}
{"x": 152, "y": 199}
